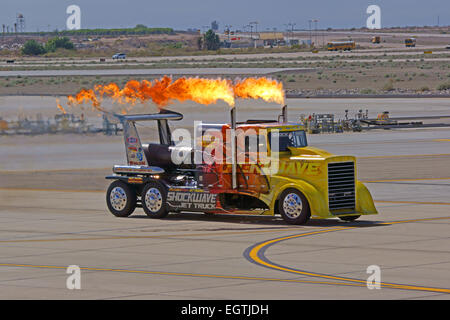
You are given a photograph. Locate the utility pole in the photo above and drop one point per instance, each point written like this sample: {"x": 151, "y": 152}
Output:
{"x": 228, "y": 26}
{"x": 310, "y": 30}
{"x": 316, "y": 40}
{"x": 255, "y": 23}
{"x": 310, "y": 34}
{"x": 290, "y": 29}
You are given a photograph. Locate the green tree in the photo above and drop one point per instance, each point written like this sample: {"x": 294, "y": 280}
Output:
{"x": 200, "y": 43}
{"x": 212, "y": 41}
{"x": 59, "y": 42}
{"x": 32, "y": 47}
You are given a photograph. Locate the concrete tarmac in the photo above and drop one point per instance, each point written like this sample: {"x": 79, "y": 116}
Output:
{"x": 53, "y": 216}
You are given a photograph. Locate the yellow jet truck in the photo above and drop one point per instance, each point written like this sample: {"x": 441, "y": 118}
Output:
{"x": 268, "y": 169}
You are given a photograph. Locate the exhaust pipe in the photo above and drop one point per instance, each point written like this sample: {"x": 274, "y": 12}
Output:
{"x": 283, "y": 116}
{"x": 233, "y": 149}
{"x": 284, "y": 113}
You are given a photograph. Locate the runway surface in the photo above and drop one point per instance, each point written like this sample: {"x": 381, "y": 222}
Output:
{"x": 53, "y": 214}
{"x": 173, "y": 71}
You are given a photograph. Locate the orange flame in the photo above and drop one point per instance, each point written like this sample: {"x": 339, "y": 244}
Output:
{"x": 260, "y": 88}
{"x": 165, "y": 90}
{"x": 162, "y": 92}
{"x": 85, "y": 96}
{"x": 60, "y": 107}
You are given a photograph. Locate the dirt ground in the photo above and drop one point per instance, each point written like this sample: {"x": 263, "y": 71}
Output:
{"x": 367, "y": 77}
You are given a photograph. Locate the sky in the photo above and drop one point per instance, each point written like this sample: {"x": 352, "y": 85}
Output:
{"x": 182, "y": 14}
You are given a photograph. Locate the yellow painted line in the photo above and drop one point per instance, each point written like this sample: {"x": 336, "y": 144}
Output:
{"x": 182, "y": 274}
{"x": 253, "y": 254}
{"x": 442, "y": 140}
{"x": 406, "y": 156}
{"x": 415, "y": 220}
{"x": 353, "y": 282}
{"x": 415, "y": 202}
{"x": 154, "y": 237}
{"x": 395, "y": 180}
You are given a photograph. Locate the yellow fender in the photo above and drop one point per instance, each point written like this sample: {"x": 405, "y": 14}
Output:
{"x": 364, "y": 200}
{"x": 316, "y": 200}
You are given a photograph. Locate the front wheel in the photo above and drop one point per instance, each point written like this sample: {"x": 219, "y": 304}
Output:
{"x": 121, "y": 199}
{"x": 294, "y": 207}
{"x": 153, "y": 200}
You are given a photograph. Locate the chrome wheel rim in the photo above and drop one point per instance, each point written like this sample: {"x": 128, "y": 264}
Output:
{"x": 118, "y": 198}
{"x": 153, "y": 199}
{"x": 292, "y": 205}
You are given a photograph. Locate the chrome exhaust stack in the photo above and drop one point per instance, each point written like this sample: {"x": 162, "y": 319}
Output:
{"x": 284, "y": 112}
{"x": 233, "y": 149}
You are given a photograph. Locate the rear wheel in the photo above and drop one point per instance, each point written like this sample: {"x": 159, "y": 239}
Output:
{"x": 121, "y": 199}
{"x": 153, "y": 200}
{"x": 349, "y": 218}
{"x": 293, "y": 207}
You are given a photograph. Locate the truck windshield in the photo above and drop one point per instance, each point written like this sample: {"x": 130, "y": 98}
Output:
{"x": 296, "y": 139}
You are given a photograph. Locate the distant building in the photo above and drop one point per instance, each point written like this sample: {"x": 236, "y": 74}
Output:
{"x": 215, "y": 26}
{"x": 271, "y": 38}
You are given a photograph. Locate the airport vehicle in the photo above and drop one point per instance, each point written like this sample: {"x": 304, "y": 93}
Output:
{"x": 341, "y": 45}
{"x": 410, "y": 42}
{"x": 279, "y": 174}
{"x": 383, "y": 118}
{"x": 119, "y": 56}
{"x": 376, "y": 39}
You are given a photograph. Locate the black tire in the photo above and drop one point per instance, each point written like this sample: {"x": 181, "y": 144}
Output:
{"x": 349, "y": 218}
{"x": 153, "y": 198}
{"x": 293, "y": 207}
{"x": 121, "y": 199}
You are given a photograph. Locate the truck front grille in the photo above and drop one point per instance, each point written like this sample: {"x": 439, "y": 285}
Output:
{"x": 341, "y": 185}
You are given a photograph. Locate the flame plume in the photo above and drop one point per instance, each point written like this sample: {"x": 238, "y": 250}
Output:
{"x": 166, "y": 90}
{"x": 60, "y": 107}
{"x": 260, "y": 88}
{"x": 85, "y": 96}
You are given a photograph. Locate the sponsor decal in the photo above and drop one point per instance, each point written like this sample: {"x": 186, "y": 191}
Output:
{"x": 135, "y": 163}
{"x": 139, "y": 156}
{"x": 192, "y": 200}
{"x": 135, "y": 180}
{"x": 132, "y": 140}
{"x": 132, "y": 149}
{"x": 299, "y": 168}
